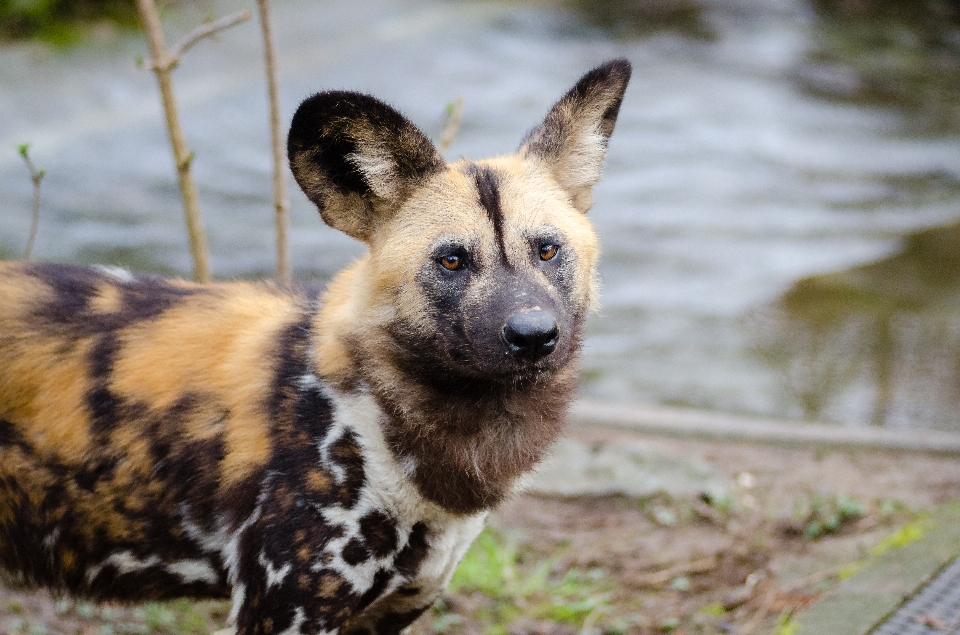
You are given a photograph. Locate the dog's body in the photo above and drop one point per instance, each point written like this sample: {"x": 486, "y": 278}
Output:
{"x": 324, "y": 461}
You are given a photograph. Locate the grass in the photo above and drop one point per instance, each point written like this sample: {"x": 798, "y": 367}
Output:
{"x": 817, "y": 515}
{"x": 499, "y": 575}
{"x": 824, "y": 514}
{"x": 180, "y": 617}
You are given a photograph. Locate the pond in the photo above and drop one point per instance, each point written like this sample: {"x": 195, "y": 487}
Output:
{"x": 779, "y": 210}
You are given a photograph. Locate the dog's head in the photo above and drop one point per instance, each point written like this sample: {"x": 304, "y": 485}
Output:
{"x": 480, "y": 270}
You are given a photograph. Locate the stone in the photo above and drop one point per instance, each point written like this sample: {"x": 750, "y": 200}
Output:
{"x": 576, "y": 468}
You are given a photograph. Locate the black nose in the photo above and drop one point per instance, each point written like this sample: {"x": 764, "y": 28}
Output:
{"x": 531, "y": 335}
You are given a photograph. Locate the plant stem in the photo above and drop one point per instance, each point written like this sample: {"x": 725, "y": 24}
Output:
{"x": 163, "y": 63}
{"x": 280, "y": 202}
{"x": 208, "y": 29}
{"x": 36, "y": 176}
{"x": 452, "y": 126}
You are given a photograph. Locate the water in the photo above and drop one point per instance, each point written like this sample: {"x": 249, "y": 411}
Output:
{"x": 767, "y": 152}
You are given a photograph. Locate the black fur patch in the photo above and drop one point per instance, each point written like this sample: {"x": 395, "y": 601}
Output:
{"x": 488, "y": 192}
{"x": 602, "y": 78}
{"x": 379, "y": 532}
{"x": 345, "y": 451}
{"x": 9, "y": 435}
{"x": 68, "y": 312}
{"x": 408, "y": 561}
{"x": 291, "y": 363}
{"x": 394, "y": 623}
{"x": 354, "y": 552}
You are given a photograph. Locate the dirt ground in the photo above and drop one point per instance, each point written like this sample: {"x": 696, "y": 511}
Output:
{"x": 794, "y": 522}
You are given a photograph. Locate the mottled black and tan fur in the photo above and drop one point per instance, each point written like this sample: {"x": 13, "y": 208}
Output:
{"x": 323, "y": 460}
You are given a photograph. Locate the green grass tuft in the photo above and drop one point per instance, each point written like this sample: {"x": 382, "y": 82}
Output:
{"x": 496, "y": 567}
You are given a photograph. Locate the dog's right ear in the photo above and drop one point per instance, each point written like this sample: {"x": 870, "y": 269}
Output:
{"x": 357, "y": 159}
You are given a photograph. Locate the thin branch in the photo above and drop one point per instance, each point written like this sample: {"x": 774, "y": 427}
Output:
{"x": 280, "y": 202}
{"x": 207, "y": 29}
{"x": 657, "y": 578}
{"x": 36, "y": 176}
{"x": 766, "y": 607}
{"x": 817, "y": 578}
{"x": 182, "y": 156}
{"x": 452, "y": 127}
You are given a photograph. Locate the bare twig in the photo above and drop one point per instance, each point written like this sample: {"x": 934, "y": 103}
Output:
{"x": 280, "y": 202}
{"x": 815, "y": 578}
{"x": 36, "y": 176}
{"x": 591, "y": 619}
{"x": 163, "y": 62}
{"x": 452, "y": 127}
{"x": 766, "y": 606}
{"x": 657, "y": 578}
{"x": 707, "y": 512}
{"x": 205, "y": 30}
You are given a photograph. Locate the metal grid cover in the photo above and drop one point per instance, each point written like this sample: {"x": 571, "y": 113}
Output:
{"x": 934, "y": 610}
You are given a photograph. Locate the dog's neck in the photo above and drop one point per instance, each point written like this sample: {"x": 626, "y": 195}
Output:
{"x": 465, "y": 445}
{"x": 464, "y": 442}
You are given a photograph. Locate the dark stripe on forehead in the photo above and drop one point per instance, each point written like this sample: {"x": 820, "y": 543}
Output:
{"x": 488, "y": 191}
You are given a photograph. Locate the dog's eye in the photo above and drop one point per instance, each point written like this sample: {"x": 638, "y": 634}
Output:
{"x": 451, "y": 262}
{"x": 548, "y": 251}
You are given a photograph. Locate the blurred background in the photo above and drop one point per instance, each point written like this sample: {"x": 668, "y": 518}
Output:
{"x": 780, "y": 209}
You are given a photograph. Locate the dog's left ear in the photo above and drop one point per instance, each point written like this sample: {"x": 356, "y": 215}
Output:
{"x": 572, "y": 140}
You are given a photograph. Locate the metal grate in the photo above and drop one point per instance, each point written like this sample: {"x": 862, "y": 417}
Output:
{"x": 934, "y": 610}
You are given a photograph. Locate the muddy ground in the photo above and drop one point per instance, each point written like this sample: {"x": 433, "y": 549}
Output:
{"x": 793, "y": 522}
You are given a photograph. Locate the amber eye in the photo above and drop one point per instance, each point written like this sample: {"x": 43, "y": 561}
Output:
{"x": 451, "y": 262}
{"x": 548, "y": 252}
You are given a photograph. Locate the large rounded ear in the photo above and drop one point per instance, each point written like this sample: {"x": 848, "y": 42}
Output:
{"x": 357, "y": 159}
{"x": 572, "y": 140}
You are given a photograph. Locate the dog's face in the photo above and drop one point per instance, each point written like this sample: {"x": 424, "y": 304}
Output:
{"x": 489, "y": 269}
{"x": 476, "y": 269}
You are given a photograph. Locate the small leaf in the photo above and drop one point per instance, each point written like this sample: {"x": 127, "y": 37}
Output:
{"x": 715, "y": 609}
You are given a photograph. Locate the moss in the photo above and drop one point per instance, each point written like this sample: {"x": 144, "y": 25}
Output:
{"x": 60, "y": 21}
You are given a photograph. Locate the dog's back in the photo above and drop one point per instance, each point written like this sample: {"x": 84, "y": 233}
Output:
{"x": 130, "y": 407}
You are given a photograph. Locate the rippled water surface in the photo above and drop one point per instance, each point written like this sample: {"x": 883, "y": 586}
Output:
{"x": 778, "y": 210}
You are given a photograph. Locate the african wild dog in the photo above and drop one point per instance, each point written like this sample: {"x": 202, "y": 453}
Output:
{"x": 325, "y": 462}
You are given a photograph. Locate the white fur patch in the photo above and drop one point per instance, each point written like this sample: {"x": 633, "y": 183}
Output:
{"x": 194, "y": 571}
{"x": 389, "y": 489}
{"x": 50, "y": 542}
{"x": 117, "y": 273}
{"x": 379, "y": 168}
{"x": 125, "y": 562}
{"x": 582, "y": 160}
{"x": 275, "y": 576}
